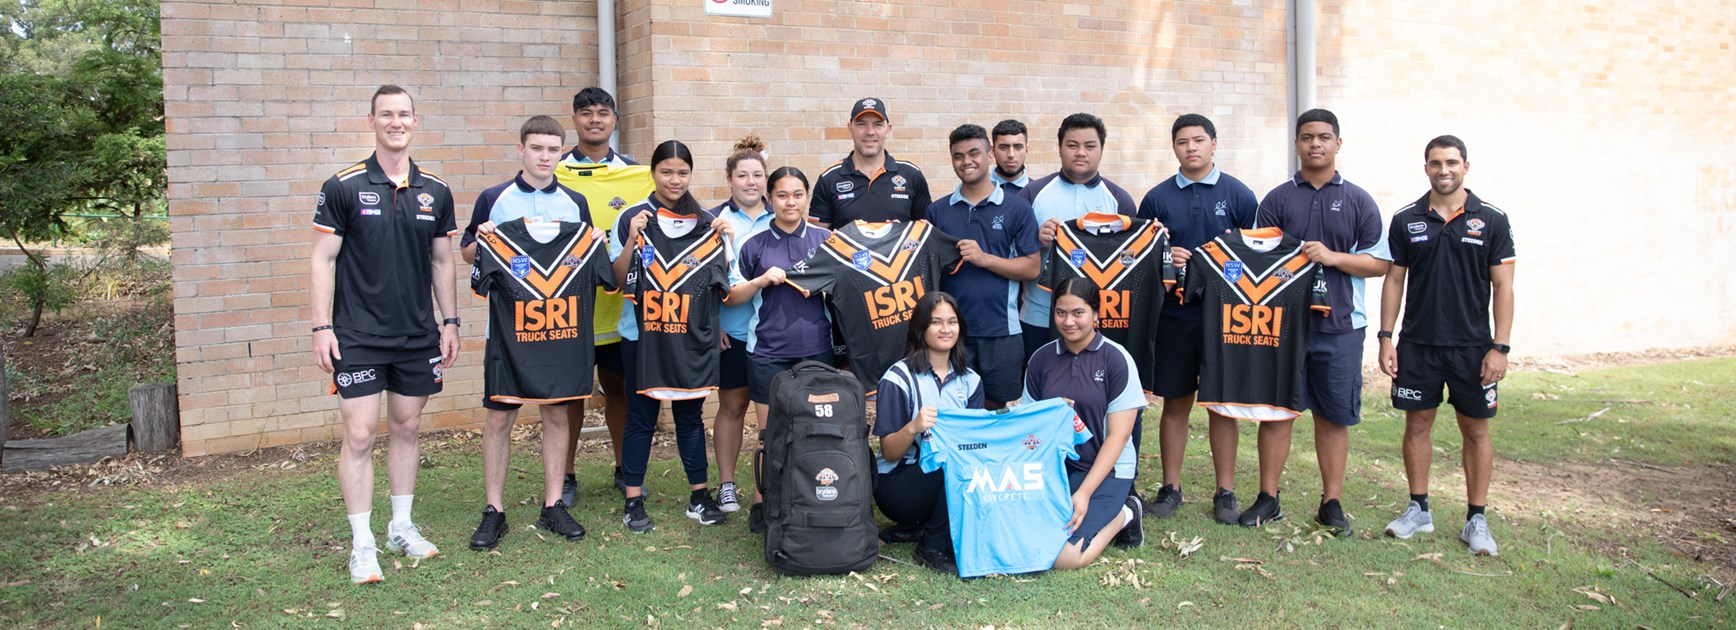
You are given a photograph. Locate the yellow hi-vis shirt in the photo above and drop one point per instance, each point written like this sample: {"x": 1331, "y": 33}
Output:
{"x": 608, "y": 188}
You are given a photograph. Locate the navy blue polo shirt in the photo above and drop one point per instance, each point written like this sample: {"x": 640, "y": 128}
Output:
{"x": 1195, "y": 212}
{"x": 1100, "y": 380}
{"x": 1014, "y": 185}
{"x": 1446, "y": 296}
{"x": 1002, "y": 225}
{"x": 784, "y": 324}
{"x": 898, "y": 192}
{"x": 1343, "y": 217}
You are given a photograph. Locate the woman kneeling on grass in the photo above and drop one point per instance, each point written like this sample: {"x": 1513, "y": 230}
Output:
{"x": 1099, "y": 378}
{"x": 933, "y": 375}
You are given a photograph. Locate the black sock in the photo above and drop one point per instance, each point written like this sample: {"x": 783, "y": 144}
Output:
{"x": 617, "y": 470}
{"x": 698, "y": 495}
{"x": 1422, "y": 500}
{"x": 1472, "y": 510}
{"x": 572, "y": 476}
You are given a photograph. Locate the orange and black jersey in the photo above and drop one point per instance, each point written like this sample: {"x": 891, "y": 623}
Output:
{"x": 872, "y": 275}
{"x": 1129, "y": 261}
{"x": 384, "y": 285}
{"x": 676, "y": 281}
{"x": 1257, "y": 288}
{"x": 539, "y": 280}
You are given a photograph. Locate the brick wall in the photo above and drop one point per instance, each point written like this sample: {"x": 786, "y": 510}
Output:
{"x": 266, "y": 99}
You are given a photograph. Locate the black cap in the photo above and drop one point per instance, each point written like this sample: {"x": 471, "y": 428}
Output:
{"x": 867, "y": 105}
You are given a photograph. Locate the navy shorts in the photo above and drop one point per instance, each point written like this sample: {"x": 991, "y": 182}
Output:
{"x": 1334, "y": 375}
{"x": 1105, "y": 505}
{"x": 1000, "y": 361}
{"x": 1180, "y": 348}
{"x": 609, "y": 359}
{"x": 762, "y": 369}
{"x": 1423, "y": 370}
{"x": 1035, "y": 337}
{"x": 407, "y": 366}
{"x": 732, "y": 365}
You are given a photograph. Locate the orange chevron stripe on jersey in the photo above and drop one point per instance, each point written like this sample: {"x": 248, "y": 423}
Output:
{"x": 546, "y": 284}
{"x": 893, "y": 268}
{"x": 1106, "y": 273}
{"x": 1256, "y": 292}
{"x": 669, "y": 275}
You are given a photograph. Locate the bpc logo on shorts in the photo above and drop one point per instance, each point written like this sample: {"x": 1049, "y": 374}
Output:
{"x": 346, "y": 379}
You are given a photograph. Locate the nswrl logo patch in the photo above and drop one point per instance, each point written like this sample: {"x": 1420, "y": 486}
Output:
{"x": 1233, "y": 270}
{"x": 861, "y": 260}
{"x": 520, "y": 265}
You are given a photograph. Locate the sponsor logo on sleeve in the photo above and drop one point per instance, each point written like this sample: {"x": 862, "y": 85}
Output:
{"x": 320, "y": 199}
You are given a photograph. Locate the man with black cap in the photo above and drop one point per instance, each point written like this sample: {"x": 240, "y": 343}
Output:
{"x": 869, "y": 184}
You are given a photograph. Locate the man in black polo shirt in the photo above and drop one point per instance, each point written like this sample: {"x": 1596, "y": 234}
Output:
{"x": 1450, "y": 250}
{"x": 386, "y": 240}
{"x": 869, "y": 184}
{"x": 1010, "y": 141}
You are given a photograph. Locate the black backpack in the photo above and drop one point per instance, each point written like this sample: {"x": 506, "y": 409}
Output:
{"x": 816, "y": 470}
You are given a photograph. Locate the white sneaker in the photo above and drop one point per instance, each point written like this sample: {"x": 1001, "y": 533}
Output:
{"x": 407, "y": 539}
{"x": 726, "y": 498}
{"x": 1415, "y": 520}
{"x": 365, "y": 566}
{"x": 1476, "y": 536}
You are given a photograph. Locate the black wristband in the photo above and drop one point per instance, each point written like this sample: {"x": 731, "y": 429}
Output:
{"x": 1384, "y": 334}
{"x": 320, "y": 328}
{"x": 453, "y": 321}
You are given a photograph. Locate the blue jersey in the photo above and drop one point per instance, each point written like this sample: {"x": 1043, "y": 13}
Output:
{"x": 1006, "y": 485}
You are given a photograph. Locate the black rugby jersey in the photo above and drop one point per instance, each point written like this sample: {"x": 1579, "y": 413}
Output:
{"x": 540, "y": 347}
{"x": 384, "y": 285}
{"x": 1256, "y": 321}
{"x": 676, "y": 282}
{"x": 872, "y": 275}
{"x": 1129, "y": 261}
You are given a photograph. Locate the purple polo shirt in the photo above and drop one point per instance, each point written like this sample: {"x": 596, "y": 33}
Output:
{"x": 1100, "y": 380}
{"x": 1344, "y": 218}
{"x": 785, "y": 324}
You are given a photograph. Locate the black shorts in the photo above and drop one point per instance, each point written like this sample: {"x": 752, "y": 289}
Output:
{"x": 761, "y": 369}
{"x": 1334, "y": 375}
{"x": 1000, "y": 361}
{"x": 1424, "y": 369}
{"x": 732, "y": 366}
{"x": 1035, "y": 337}
{"x": 1106, "y": 503}
{"x": 608, "y": 359}
{"x": 407, "y": 366}
{"x": 1180, "y": 348}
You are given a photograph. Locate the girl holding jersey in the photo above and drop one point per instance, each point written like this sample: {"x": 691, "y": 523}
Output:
{"x": 746, "y": 213}
{"x": 677, "y": 214}
{"x": 933, "y": 375}
{"x": 1099, "y": 378}
{"x": 786, "y": 327}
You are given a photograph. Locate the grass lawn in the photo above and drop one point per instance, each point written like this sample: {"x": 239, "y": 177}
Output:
{"x": 266, "y": 548}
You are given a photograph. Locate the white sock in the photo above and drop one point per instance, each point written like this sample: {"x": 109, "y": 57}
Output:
{"x": 401, "y": 509}
{"x": 1126, "y": 516}
{"x": 361, "y": 531}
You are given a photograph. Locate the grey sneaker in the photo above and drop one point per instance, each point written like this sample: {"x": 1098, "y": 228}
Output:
{"x": 570, "y": 490}
{"x": 1225, "y": 508}
{"x": 1167, "y": 501}
{"x": 407, "y": 539}
{"x": 726, "y": 498}
{"x": 1415, "y": 520}
{"x": 365, "y": 565}
{"x": 1476, "y": 536}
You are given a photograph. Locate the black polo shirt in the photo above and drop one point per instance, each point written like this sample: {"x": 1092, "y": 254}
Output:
{"x": 384, "y": 282}
{"x": 1447, "y": 286}
{"x": 843, "y": 194}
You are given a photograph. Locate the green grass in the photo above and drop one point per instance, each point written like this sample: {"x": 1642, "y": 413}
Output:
{"x": 267, "y": 548}
{"x": 136, "y": 347}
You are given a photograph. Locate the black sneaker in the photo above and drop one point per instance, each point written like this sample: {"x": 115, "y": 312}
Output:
{"x": 703, "y": 508}
{"x": 1264, "y": 510}
{"x": 1167, "y": 501}
{"x": 1225, "y": 508}
{"x": 556, "y": 519}
{"x": 1132, "y": 535}
{"x": 900, "y": 533}
{"x": 489, "y": 532}
{"x": 938, "y": 560}
{"x": 570, "y": 490}
{"x": 756, "y": 519}
{"x": 1331, "y": 516}
{"x": 634, "y": 516}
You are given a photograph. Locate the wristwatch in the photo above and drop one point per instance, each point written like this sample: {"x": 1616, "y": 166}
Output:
{"x": 452, "y": 321}
{"x": 1384, "y": 334}
{"x": 1502, "y": 348}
